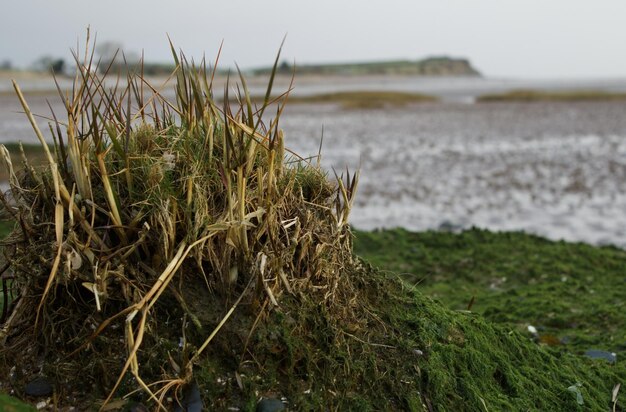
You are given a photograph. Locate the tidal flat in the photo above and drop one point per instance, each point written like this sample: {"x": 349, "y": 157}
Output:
{"x": 556, "y": 169}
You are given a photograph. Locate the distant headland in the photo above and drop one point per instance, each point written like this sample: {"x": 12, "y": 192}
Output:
{"x": 431, "y": 66}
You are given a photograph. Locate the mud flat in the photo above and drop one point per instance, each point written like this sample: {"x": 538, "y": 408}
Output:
{"x": 554, "y": 169}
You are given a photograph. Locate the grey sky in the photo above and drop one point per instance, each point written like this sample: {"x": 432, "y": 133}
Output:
{"x": 529, "y": 38}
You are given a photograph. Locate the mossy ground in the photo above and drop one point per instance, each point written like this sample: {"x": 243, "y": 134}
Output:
{"x": 409, "y": 352}
{"x": 571, "y": 292}
{"x": 413, "y": 353}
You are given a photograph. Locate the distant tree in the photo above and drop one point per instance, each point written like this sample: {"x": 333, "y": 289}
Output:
{"x": 58, "y": 66}
{"x": 284, "y": 67}
{"x": 108, "y": 53}
{"x": 112, "y": 55}
{"x": 50, "y": 64}
{"x": 6, "y": 65}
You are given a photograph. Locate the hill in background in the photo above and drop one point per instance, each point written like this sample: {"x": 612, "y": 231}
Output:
{"x": 431, "y": 66}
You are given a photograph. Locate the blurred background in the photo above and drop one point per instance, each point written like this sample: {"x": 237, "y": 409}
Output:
{"x": 502, "y": 115}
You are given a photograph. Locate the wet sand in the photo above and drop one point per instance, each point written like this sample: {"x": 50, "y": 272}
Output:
{"x": 554, "y": 169}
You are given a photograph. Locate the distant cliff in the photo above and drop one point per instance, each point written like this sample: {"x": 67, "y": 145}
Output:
{"x": 432, "y": 66}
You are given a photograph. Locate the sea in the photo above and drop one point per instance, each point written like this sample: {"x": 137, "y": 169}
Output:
{"x": 555, "y": 169}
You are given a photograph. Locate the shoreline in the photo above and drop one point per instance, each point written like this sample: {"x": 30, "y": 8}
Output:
{"x": 444, "y": 88}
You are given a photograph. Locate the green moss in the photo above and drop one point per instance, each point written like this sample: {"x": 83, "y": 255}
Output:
{"x": 408, "y": 353}
{"x": 5, "y": 228}
{"x": 394, "y": 348}
{"x": 10, "y": 404}
{"x": 570, "y": 292}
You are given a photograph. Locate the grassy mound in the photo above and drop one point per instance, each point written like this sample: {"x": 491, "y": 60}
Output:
{"x": 552, "y": 96}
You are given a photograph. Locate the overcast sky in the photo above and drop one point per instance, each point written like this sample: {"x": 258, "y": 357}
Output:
{"x": 509, "y": 38}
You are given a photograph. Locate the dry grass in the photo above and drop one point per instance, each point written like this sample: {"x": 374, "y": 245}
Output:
{"x": 144, "y": 203}
{"x": 365, "y": 99}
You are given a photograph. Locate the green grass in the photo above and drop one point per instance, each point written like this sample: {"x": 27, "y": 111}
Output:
{"x": 11, "y": 404}
{"x": 552, "y": 96}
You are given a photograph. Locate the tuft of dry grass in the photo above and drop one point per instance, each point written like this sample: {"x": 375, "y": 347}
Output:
{"x": 146, "y": 206}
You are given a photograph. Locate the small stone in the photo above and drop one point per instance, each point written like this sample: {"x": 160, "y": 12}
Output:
{"x": 448, "y": 226}
{"x": 611, "y": 357}
{"x": 418, "y": 352}
{"x": 192, "y": 401}
{"x": 270, "y": 405}
{"x": 566, "y": 340}
{"x": 38, "y": 387}
{"x": 138, "y": 407}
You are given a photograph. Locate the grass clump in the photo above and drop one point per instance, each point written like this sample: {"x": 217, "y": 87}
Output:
{"x": 552, "y": 96}
{"x": 150, "y": 216}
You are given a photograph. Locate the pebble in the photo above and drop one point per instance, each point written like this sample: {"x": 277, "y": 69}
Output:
{"x": 447, "y": 226}
{"x": 138, "y": 407}
{"x": 270, "y": 405}
{"x": 611, "y": 357}
{"x": 192, "y": 401}
{"x": 38, "y": 387}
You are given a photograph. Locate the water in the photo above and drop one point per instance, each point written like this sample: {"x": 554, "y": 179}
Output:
{"x": 554, "y": 169}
